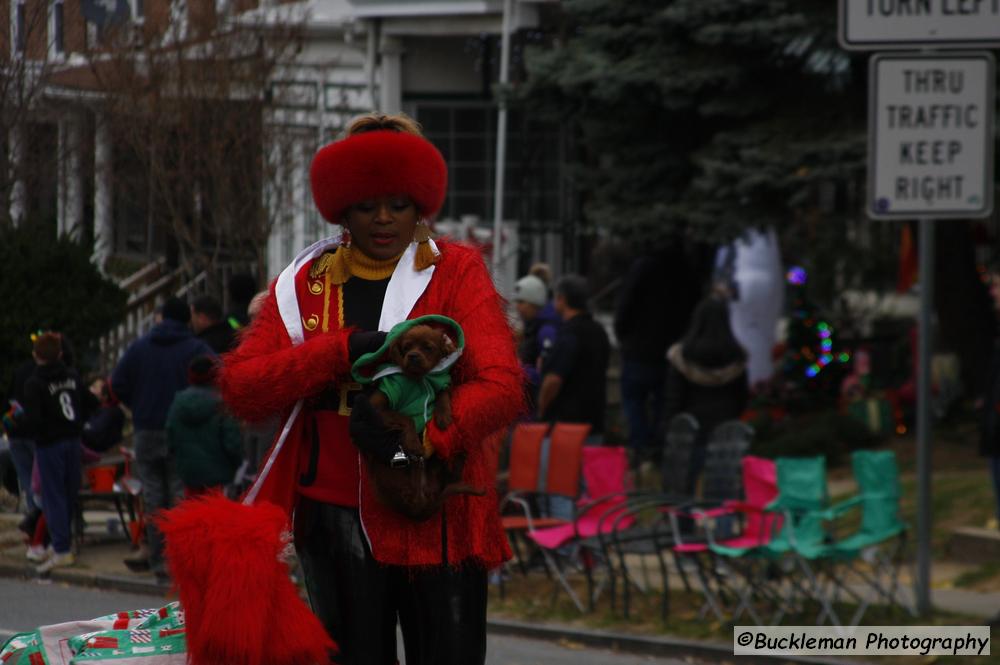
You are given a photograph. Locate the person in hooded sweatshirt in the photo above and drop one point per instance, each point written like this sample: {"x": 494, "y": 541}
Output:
{"x": 55, "y": 404}
{"x": 706, "y": 376}
{"x": 151, "y": 372}
{"x": 204, "y": 440}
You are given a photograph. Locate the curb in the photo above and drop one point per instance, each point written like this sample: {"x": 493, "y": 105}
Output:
{"x": 88, "y": 579}
{"x": 644, "y": 645}
{"x": 636, "y": 644}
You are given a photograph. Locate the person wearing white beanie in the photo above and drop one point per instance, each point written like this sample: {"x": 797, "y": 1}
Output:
{"x": 530, "y": 297}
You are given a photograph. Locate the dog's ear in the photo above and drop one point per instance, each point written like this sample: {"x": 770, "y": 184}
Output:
{"x": 396, "y": 350}
{"x": 447, "y": 346}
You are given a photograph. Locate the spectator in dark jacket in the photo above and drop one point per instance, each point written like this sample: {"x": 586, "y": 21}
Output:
{"x": 22, "y": 448}
{"x": 204, "y": 440}
{"x": 539, "y": 333}
{"x": 654, "y": 307}
{"x": 209, "y": 326}
{"x": 574, "y": 376}
{"x": 103, "y": 430}
{"x": 55, "y": 405}
{"x": 706, "y": 377}
{"x": 152, "y": 371}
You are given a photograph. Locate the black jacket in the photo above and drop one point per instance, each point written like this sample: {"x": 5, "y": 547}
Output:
{"x": 16, "y": 392}
{"x": 655, "y": 304}
{"x": 103, "y": 429}
{"x": 712, "y": 396}
{"x": 56, "y": 404}
{"x": 580, "y": 357}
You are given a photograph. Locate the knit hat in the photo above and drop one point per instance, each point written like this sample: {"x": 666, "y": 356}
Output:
{"x": 176, "y": 309}
{"x": 378, "y": 163}
{"x": 531, "y": 289}
{"x": 201, "y": 371}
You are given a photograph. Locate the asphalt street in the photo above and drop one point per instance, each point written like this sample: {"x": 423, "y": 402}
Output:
{"x": 26, "y": 605}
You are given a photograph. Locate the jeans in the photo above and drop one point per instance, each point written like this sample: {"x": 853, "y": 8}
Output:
{"x": 161, "y": 487}
{"x": 642, "y": 402}
{"x": 23, "y": 452}
{"x": 59, "y": 468}
{"x": 441, "y": 609}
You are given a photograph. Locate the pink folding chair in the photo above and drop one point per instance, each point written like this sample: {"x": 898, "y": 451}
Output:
{"x": 604, "y": 472}
{"x": 760, "y": 488}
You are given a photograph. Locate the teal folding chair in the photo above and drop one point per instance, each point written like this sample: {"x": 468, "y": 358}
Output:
{"x": 880, "y": 539}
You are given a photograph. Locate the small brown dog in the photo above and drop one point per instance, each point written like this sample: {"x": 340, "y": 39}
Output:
{"x": 415, "y": 485}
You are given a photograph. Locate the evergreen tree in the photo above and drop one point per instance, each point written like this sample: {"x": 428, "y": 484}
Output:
{"x": 710, "y": 115}
{"x": 51, "y": 284}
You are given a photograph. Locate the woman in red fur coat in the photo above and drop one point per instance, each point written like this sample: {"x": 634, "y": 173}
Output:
{"x": 364, "y": 564}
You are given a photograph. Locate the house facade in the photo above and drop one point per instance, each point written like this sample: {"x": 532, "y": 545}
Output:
{"x": 437, "y": 61}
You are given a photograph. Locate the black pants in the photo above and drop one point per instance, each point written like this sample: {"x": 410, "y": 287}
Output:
{"x": 441, "y": 610}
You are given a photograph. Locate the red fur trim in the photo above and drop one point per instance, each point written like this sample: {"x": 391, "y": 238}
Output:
{"x": 379, "y": 163}
{"x": 240, "y": 606}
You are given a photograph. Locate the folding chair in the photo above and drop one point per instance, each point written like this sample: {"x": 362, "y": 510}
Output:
{"x": 726, "y": 556}
{"x": 803, "y": 540}
{"x": 641, "y": 527}
{"x": 523, "y": 483}
{"x": 526, "y": 482}
{"x": 877, "y": 475}
{"x": 681, "y": 438}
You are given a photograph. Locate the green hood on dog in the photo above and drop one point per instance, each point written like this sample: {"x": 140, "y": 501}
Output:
{"x": 411, "y": 397}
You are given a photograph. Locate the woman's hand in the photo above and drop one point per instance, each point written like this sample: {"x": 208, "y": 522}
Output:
{"x": 370, "y": 433}
{"x": 364, "y": 341}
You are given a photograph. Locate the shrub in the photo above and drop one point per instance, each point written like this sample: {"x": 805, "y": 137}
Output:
{"x": 828, "y": 433}
{"x": 50, "y": 283}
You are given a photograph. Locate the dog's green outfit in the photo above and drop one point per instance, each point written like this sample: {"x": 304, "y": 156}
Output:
{"x": 411, "y": 397}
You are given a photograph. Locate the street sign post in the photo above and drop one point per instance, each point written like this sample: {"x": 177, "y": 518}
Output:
{"x": 930, "y": 154}
{"x": 930, "y": 135}
{"x": 867, "y": 25}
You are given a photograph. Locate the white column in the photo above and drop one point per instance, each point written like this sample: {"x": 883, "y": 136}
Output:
{"x": 15, "y": 158}
{"x": 297, "y": 181}
{"x": 103, "y": 213}
{"x": 70, "y": 201}
{"x": 391, "y": 90}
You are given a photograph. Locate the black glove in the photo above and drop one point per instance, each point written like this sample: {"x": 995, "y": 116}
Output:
{"x": 362, "y": 342}
{"x": 369, "y": 433}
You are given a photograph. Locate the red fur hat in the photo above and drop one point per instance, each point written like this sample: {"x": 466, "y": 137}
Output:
{"x": 378, "y": 163}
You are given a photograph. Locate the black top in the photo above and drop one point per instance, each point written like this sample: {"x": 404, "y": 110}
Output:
{"x": 711, "y": 405}
{"x": 362, "y": 310}
{"x": 16, "y": 392}
{"x": 55, "y": 404}
{"x": 580, "y": 358}
{"x": 647, "y": 319}
{"x": 363, "y": 302}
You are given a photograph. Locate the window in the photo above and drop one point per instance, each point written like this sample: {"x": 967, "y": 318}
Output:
{"x": 465, "y": 133}
{"x": 20, "y": 27}
{"x": 138, "y": 10}
{"x": 56, "y": 30}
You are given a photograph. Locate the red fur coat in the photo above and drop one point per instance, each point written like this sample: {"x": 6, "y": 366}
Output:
{"x": 267, "y": 374}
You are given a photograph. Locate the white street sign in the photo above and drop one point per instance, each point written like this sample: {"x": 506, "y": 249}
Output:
{"x": 930, "y": 135}
{"x": 908, "y": 24}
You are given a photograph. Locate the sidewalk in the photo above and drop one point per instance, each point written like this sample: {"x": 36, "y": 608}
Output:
{"x": 99, "y": 564}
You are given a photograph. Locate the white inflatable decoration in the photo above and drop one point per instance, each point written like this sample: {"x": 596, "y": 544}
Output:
{"x": 753, "y": 265}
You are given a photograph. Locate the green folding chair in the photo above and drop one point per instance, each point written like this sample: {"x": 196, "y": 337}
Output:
{"x": 880, "y": 539}
{"x": 797, "y": 534}
{"x": 801, "y": 547}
